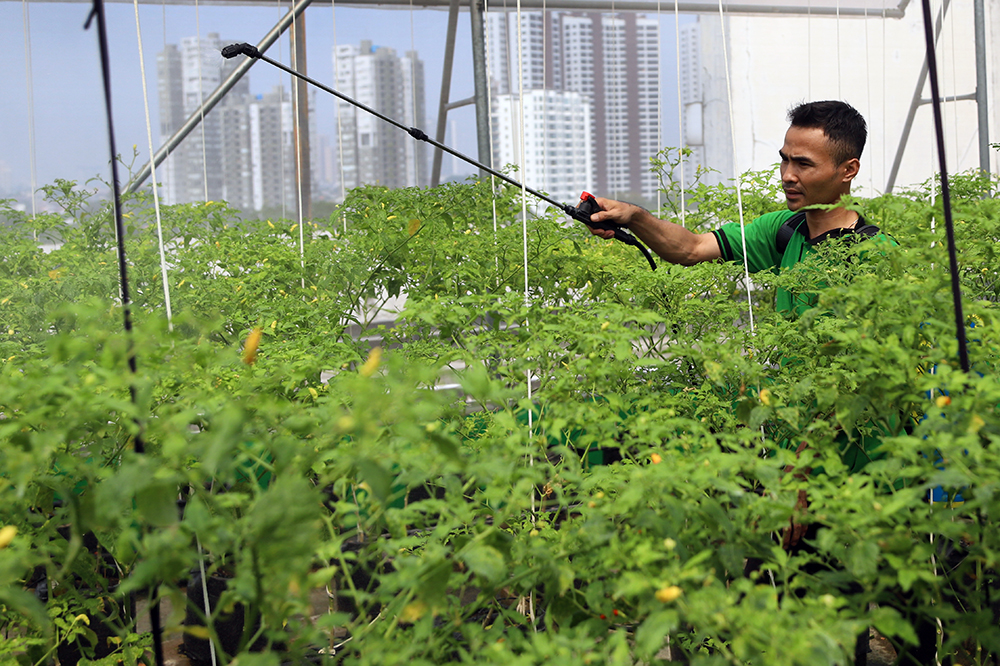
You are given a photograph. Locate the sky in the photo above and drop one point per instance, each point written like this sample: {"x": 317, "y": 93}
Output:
{"x": 59, "y": 100}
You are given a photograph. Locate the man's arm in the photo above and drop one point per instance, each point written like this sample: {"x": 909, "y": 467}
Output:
{"x": 671, "y": 241}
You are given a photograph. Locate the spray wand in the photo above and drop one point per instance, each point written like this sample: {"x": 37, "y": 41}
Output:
{"x": 582, "y": 213}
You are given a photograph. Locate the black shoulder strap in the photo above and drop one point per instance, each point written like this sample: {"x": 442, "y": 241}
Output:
{"x": 869, "y": 230}
{"x": 787, "y": 230}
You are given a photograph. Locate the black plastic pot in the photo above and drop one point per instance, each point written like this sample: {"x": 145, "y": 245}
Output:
{"x": 106, "y": 624}
{"x": 228, "y": 626}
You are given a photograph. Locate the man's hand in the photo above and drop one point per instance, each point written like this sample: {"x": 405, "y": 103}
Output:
{"x": 615, "y": 212}
{"x": 671, "y": 241}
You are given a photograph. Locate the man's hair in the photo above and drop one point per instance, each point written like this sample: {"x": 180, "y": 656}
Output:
{"x": 840, "y": 122}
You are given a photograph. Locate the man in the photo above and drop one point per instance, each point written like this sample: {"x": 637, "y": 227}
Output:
{"x": 819, "y": 160}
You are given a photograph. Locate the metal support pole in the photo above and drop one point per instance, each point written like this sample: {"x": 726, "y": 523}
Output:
{"x": 449, "y": 57}
{"x": 300, "y": 107}
{"x": 220, "y": 91}
{"x": 981, "y": 97}
{"x": 918, "y": 94}
{"x": 481, "y": 84}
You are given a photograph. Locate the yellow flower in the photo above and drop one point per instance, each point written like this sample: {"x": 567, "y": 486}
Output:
{"x": 371, "y": 365}
{"x": 250, "y": 348}
{"x": 413, "y": 612}
{"x": 765, "y": 397}
{"x": 7, "y": 534}
{"x": 668, "y": 594}
{"x": 976, "y": 424}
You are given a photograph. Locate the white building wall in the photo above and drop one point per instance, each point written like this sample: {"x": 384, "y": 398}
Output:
{"x": 872, "y": 64}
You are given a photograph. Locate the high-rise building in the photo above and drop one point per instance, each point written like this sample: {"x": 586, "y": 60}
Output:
{"x": 613, "y": 62}
{"x": 243, "y": 150}
{"x": 557, "y": 140}
{"x": 374, "y": 151}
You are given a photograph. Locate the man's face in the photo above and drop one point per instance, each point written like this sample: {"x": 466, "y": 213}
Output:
{"x": 809, "y": 173}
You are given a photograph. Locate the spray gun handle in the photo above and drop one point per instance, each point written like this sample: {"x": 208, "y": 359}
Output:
{"x": 588, "y": 206}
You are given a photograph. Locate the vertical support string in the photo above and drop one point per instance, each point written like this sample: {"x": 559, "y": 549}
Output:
{"x": 840, "y": 94}
{"x": 736, "y": 173}
{"x": 413, "y": 98}
{"x": 152, "y": 173}
{"x": 954, "y": 89}
{"x": 680, "y": 108}
{"x": 868, "y": 96}
{"x": 527, "y": 296}
{"x": 885, "y": 92}
{"x": 30, "y": 82}
{"x": 489, "y": 104}
{"x": 201, "y": 100}
{"x": 281, "y": 127}
{"x": 336, "y": 108}
{"x": 297, "y": 135}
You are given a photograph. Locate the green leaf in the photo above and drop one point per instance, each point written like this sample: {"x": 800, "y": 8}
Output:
{"x": 652, "y": 633}
{"x": 485, "y": 561}
{"x": 157, "y": 503}
{"x": 892, "y": 624}
{"x": 377, "y": 478}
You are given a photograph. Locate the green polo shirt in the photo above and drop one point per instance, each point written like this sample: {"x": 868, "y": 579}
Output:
{"x": 762, "y": 252}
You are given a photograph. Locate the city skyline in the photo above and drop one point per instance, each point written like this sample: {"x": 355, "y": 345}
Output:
{"x": 61, "y": 151}
{"x": 243, "y": 151}
{"x": 612, "y": 64}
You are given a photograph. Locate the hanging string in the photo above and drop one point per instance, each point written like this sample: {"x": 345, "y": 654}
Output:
{"x": 868, "y": 96}
{"x": 169, "y": 162}
{"x": 524, "y": 203}
{"x": 489, "y": 105}
{"x": 413, "y": 98}
{"x": 680, "y": 109}
{"x": 615, "y": 96}
{"x": 340, "y": 127}
{"x": 156, "y": 194}
{"x": 201, "y": 100}
{"x": 954, "y": 88}
{"x": 527, "y": 296}
{"x": 885, "y": 91}
{"x": 809, "y": 54}
{"x": 29, "y": 80}
{"x": 839, "y": 60}
{"x": 736, "y": 172}
{"x": 297, "y": 134}
{"x": 281, "y": 129}
{"x": 545, "y": 104}
{"x": 956, "y": 289}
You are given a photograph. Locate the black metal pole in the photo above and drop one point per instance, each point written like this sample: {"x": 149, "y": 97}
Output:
{"x": 956, "y": 288}
{"x": 138, "y": 443}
